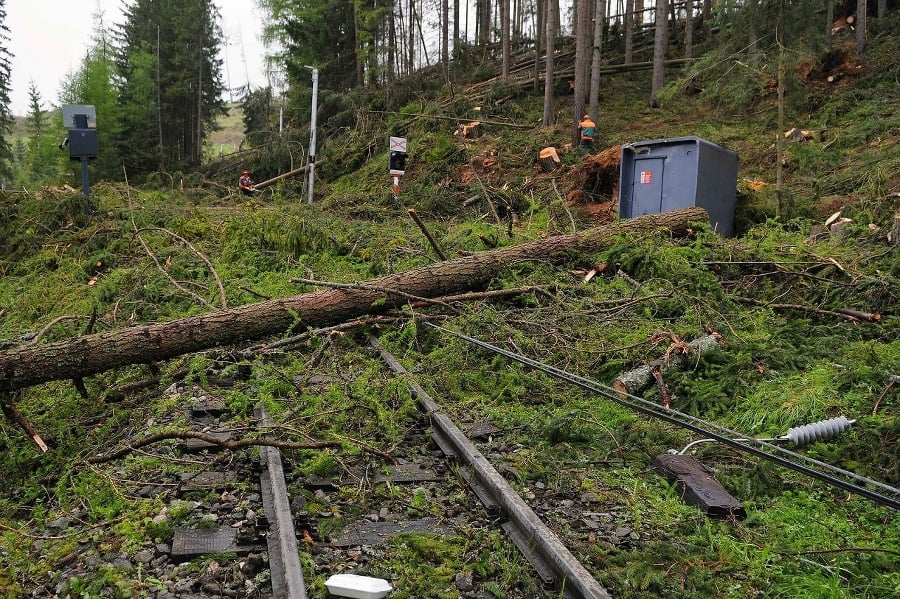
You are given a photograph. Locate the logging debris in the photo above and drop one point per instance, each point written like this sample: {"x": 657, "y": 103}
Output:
{"x": 595, "y": 185}
{"x": 678, "y": 357}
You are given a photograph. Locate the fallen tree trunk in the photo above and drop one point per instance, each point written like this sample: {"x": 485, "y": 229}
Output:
{"x": 24, "y": 366}
{"x": 636, "y": 380}
{"x": 277, "y": 178}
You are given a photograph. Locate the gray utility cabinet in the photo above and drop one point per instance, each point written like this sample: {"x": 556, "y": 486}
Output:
{"x": 667, "y": 174}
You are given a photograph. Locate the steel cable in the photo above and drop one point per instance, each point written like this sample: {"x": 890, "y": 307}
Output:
{"x": 700, "y": 426}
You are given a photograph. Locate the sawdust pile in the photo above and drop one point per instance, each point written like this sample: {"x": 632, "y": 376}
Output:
{"x": 595, "y": 184}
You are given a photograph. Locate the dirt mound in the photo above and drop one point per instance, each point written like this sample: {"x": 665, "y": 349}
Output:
{"x": 595, "y": 184}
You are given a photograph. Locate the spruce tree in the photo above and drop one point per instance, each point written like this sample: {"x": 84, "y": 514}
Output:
{"x": 94, "y": 83}
{"x": 44, "y": 159}
{"x": 171, "y": 84}
{"x": 6, "y": 117}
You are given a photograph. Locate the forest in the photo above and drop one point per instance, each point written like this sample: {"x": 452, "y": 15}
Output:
{"x": 496, "y": 263}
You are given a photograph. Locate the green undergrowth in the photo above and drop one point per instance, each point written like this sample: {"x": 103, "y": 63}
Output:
{"x": 778, "y": 294}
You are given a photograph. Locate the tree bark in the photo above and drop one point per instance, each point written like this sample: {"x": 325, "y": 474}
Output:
{"x": 445, "y": 35}
{"x": 550, "y": 44}
{"x": 539, "y": 41}
{"x": 861, "y": 26}
{"x": 582, "y": 62}
{"x": 629, "y": 31}
{"x": 689, "y": 29}
{"x": 483, "y": 22}
{"x": 24, "y": 366}
{"x": 660, "y": 47}
{"x": 504, "y": 40}
{"x": 635, "y": 381}
{"x": 596, "y": 57}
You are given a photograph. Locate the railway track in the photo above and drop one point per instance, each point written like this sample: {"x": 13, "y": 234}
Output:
{"x": 258, "y": 522}
{"x": 234, "y": 524}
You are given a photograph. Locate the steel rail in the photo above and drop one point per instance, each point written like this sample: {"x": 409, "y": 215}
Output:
{"x": 284, "y": 557}
{"x": 543, "y": 549}
{"x": 683, "y": 420}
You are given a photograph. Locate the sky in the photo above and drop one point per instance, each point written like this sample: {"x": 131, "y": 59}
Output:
{"x": 48, "y": 39}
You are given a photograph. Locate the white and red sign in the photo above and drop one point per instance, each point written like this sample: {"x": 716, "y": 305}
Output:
{"x": 398, "y": 144}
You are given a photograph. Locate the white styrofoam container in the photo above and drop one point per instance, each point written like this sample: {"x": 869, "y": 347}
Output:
{"x": 358, "y": 587}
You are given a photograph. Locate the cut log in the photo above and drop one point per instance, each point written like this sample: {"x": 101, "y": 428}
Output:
{"x": 636, "y": 380}
{"x": 549, "y": 160}
{"x": 24, "y": 366}
{"x": 469, "y": 130}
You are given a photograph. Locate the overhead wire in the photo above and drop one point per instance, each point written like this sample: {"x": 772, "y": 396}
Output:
{"x": 712, "y": 430}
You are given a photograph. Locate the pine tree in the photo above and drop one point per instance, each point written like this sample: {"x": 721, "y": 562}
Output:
{"x": 6, "y": 117}
{"x": 171, "y": 83}
{"x": 43, "y": 157}
{"x": 94, "y": 83}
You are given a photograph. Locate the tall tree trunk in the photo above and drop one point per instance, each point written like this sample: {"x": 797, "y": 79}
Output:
{"x": 422, "y": 38}
{"x": 359, "y": 54}
{"x": 779, "y": 143}
{"x": 162, "y": 161}
{"x": 402, "y": 54}
{"x": 483, "y": 23}
{"x": 629, "y": 31}
{"x": 582, "y": 62}
{"x": 552, "y": 16}
{"x": 861, "y": 26}
{"x": 411, "y": 66}
{"x": 445, "y": 34}
{"x": 596, "y": 58}
{"x": 882, "y": 8}
{"x": 504, "y": 40}
{"x": 392, "y": 47}
{"x": 456, "y": 25}
{"x": 660, "y": 45}
{"x": 539, "y": 40}
{"x": 753, "y": 36}
{"x": 198, "y": 139}
{"x": 689, "y": 29}
{"x": 28, "y": 365}
{"x": 557, "y": 19}
{"x": 829, "y": 23}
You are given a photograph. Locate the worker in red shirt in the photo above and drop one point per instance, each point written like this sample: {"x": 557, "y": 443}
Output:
{"x": 245, "y": 183}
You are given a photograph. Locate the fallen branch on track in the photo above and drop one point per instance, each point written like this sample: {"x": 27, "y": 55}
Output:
{"x": 208, "y": 438}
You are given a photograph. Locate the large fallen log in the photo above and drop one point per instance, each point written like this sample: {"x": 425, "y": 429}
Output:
{"x": 24, "y": 366}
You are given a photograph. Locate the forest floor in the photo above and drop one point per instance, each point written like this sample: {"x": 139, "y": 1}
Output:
{"x": 804, "y": 298}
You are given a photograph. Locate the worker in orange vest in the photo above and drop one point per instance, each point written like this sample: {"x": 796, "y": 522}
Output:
{"x": 587, "y": 129}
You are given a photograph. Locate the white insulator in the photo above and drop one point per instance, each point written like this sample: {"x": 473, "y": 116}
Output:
{"x": 818, "y": 431}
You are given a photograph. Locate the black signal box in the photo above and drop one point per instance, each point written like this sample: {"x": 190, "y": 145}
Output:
{"x": 83, "y": 143}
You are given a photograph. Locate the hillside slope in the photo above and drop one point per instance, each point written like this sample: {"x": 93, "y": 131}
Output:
{"x": 807, "y": 313}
